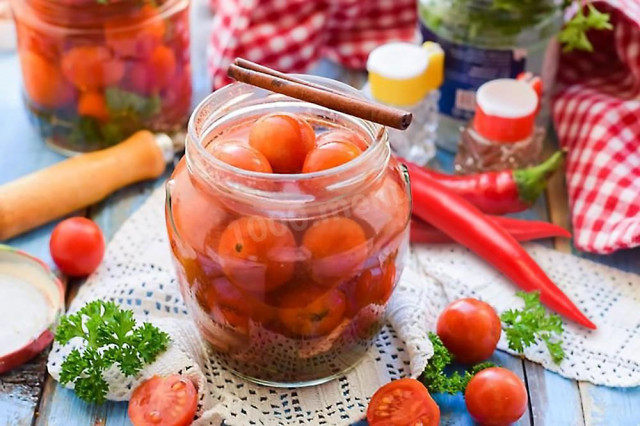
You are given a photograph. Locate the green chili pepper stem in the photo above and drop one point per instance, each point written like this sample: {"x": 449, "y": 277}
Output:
{"x": 532, "y": 181}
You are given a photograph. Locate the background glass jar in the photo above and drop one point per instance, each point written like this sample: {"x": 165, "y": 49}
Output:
{"x": 95, "y": 72}
{"x": 485, "y": 40}
{"x": 326, "y": 248}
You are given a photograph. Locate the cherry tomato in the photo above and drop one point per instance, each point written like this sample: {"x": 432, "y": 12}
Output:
{"x": 404, "y": 402}
{"x": 47, "y": 44}
{"x": 376, "y": 284}
{"x": 386, "y": 209}
{"x": 309, "y": 312}
{"x": 176, "y": 98}
{"x": 257, "y": 254}
{"x": 136, "y": 34}
{"x": 197, "y": 216}
{"x": 241, "y": 156}
{"x": 343, "y": 136}
{"x": 77, "y": 246}
{"x": 93, "y": 104}
{"x": 337, "y": 247}
{"x": 284, "y": 139}
{"x": 162, "y": 67}
{"x": 330, "y": 155}
{"x": 167, "y": 401}
{"x": 225, "y": 303}
{"x": 495, "y": 397}
{"x": 44, "y": 82}
{"x": 92, "y": 67}
{"x": 470, "y": 329}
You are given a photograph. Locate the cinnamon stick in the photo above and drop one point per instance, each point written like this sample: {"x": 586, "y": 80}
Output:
{"x": 266, "y": 78}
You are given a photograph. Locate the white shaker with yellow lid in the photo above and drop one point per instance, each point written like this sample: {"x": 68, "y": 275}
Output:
{"x": 408, "y": 76}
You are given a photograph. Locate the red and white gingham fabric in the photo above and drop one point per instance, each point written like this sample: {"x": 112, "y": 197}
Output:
{"x": 292, "y": 35}
{"x": 597, "y": 117}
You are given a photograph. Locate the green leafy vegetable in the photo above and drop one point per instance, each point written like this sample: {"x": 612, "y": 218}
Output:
{"x": 123, "y": 103}
{"x": 498, "y": 23}
{"x": 112, "y": 338}
{"x": 128, "y": 113}
{"x": 434, "y": 376}
{"x": 574, "y": 34}
{"x": 532, "y": 324}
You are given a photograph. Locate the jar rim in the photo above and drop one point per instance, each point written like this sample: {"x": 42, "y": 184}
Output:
{"x": 376, "y": 131}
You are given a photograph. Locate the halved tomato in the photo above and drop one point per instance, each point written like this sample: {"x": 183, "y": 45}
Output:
{"x": 403, "y": 402}
{"x": 168, "y": 401}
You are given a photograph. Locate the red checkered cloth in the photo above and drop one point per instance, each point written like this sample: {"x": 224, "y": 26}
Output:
{"x": 597, "y": 117}
{"x": 292, "y": 35}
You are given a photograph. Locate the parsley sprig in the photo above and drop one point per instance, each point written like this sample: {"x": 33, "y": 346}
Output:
{"x": 532, "y": 324}
{"x": 574, "y": 34}
{"x": 437, "y": 380}
{"x": 112, "y": 338}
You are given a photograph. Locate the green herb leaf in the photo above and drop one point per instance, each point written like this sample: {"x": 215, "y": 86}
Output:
{"x": 574, "y": 34}
{"x": 434, "y": 376}
{"x": 122, "y": 103}
{"x": 111, "y": 337}
{"x": 532, "y": 324}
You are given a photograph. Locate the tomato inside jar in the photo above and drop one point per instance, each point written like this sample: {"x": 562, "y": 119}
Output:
{"x": 95, "y": 72}
{"x": 288, "y": 224}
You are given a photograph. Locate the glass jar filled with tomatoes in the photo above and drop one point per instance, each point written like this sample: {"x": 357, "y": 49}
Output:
{"x": 96, "y": 71}
{"x": 288, "y": 224}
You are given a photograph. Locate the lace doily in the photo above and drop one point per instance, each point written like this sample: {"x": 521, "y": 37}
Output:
{"x": 138, "y": 273}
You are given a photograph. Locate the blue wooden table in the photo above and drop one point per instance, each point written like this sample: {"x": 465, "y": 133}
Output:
{"x": 29, "y": 396}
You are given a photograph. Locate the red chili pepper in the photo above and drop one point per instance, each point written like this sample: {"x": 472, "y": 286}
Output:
{"x": 506, "y": 191}
{"x": 521, "y": 230}
{"x": 464, "y": 223}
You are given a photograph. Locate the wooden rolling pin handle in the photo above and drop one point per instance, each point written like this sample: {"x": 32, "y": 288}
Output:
{"x": 78, "y": 182}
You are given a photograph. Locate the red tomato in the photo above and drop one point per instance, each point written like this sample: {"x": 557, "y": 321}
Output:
{"x": 176, "y": 99}
{"x": 495, "y": 397}
{"x": 337, "y": 247}
{"x": 330, "y": 155}
{"x": 162, "y": 66}
{"x": 343, "y": 136}
{"x": 136, "y": 34}
{"x": 470, "y": 329}
{"x": 93, "y": 104}
{"x": 198, "y": 217}
{"x": 241, "y": 156}
{"x": 284, "y": 139}
{"x": 77, "y": 246}
{"x": 257, "y": 254}
{"x": 91, "y": 67}
{"x": 404, "y": 402}
{"x": 167, "y": 401}
{"x": 376, "y": 284}
{"x": 307, "y": 312}
{"x": 43, "y": 81}
{"x": 386, "y": 209}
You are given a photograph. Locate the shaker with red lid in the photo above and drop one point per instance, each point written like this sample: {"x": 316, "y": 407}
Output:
{"x": 503, "y": 133}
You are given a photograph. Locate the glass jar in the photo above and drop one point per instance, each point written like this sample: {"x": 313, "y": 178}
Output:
{"x": 95, "y": 72}
{"x": 485, "y": 40}
{"x": 325, "y": 249}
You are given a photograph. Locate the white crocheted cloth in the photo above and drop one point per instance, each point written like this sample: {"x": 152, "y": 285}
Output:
{"x": 137, "y": 272}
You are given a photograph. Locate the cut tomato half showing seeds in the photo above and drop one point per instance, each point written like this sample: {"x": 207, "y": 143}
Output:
{"x": 167, "y": 401}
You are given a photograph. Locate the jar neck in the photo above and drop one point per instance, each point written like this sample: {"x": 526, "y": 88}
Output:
{"x": 278, "y": 192}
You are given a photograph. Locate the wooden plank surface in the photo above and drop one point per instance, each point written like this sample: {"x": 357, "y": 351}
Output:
{"x": 21, "y": 152}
